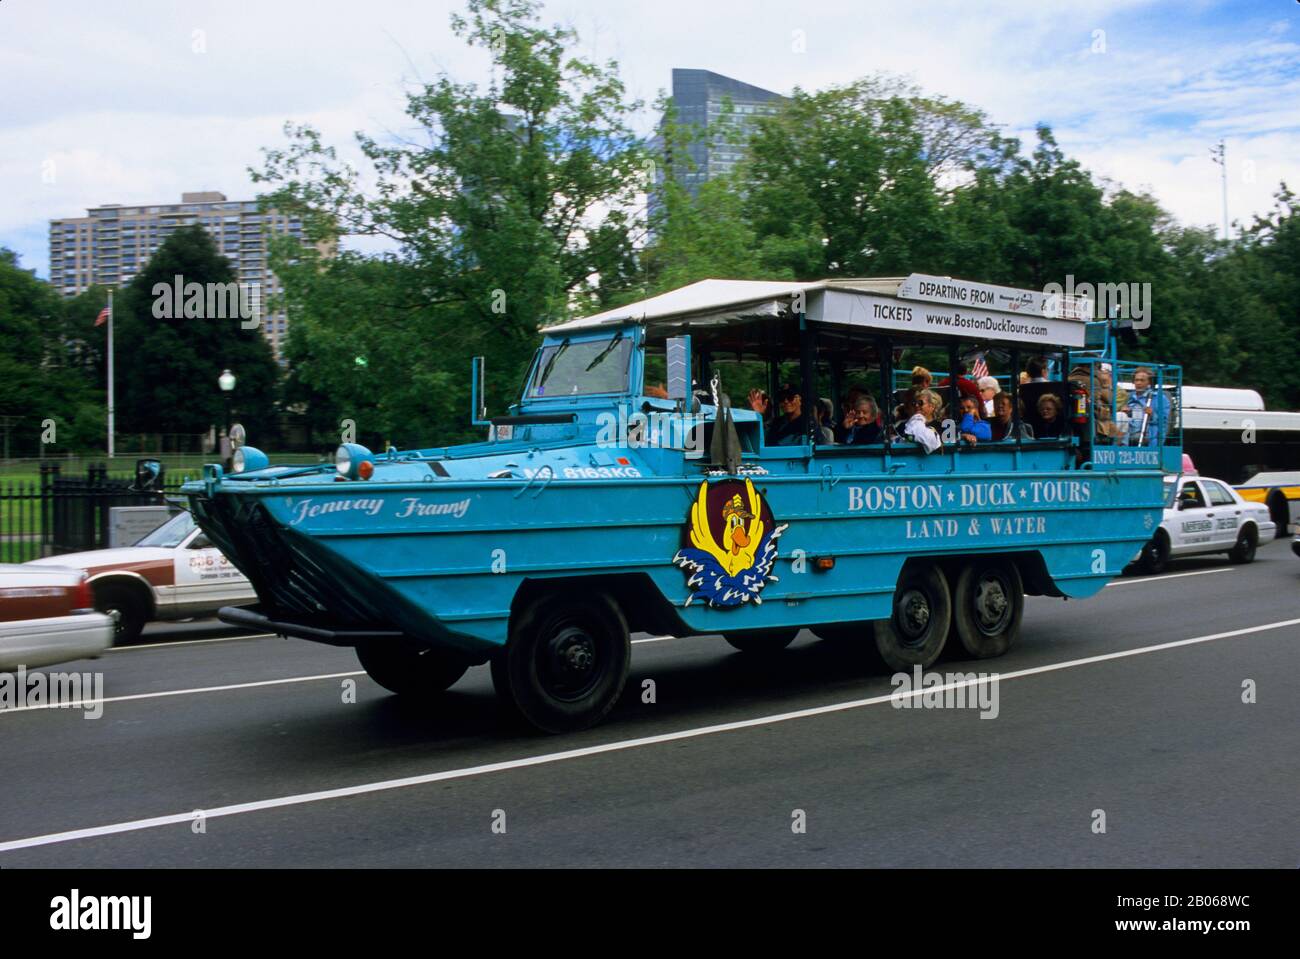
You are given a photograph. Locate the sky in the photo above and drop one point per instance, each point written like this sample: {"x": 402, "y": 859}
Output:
{"x": 138, "y": 101}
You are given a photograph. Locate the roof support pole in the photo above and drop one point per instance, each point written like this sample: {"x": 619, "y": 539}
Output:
{"x": 807, "y": 367}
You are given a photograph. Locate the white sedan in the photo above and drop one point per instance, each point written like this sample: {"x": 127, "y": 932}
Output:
{"x": 1204, "y": 515}
{"x": 46, "y": 617}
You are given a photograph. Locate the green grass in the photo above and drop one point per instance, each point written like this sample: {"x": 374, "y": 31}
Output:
{"x": 23, "y": 516}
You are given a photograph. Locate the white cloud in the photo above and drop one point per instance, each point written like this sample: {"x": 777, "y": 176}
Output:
{"x": 119, "y": 101}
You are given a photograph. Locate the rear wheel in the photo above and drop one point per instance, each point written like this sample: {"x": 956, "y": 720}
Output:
{"x": 410, "y": 670}
{"x": 1279, "y": 511}
{"x": 1154, "y": 557}
{"x": 127, "y": 607}
{"x": 1244, "y": 551}
{"x": 566, "y": 662}
{"x": 764, "y": 642}
{"x": 988, "y": 604}
{"x": 915, "y": 632}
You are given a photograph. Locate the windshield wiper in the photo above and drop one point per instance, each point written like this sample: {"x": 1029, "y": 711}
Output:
{"x": 550, "y": 364}
{"x": 603, "y": 353}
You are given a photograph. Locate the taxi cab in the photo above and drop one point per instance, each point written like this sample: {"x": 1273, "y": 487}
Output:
{"x": 173, "y": 573}
{"x": 1204, "y": 515}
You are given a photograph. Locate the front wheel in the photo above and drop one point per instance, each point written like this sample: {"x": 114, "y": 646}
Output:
{"x": 915, "y": 632}
{"x": 126, "y": 606}
{"x": 410, "y": 670}
{"x": 1244, "y": 551}
{"x": 988, "y": 604}
{"x": 566, "y": 662}
{"x": 1154, "y": 557}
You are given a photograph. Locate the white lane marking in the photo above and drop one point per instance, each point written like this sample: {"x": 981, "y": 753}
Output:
{"x": 1155, "y": 579}
{"x": 657, "y": 639}
{"x": 549, "y": 758}
{"x": 181, "y": 692}
{"x": 188, "y": 642}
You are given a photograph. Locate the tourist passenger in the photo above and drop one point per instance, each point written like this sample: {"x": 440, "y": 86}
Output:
{"x": 786, "y": 429}
{"x": 989, "y": 388}
{"x": 1003, "y": 425}
{"x": 973, "y": 427}
{"x": 921, "y": 378}
{"x": 1051, "y": 423}
{"x": 919, "y": 407}
{"x": 1037, "y": 369}
{"x": 932, "y": 400}
{"x": 862, "y": 422}
{"x": 823, "y": 412}
{"x": 1148, "y": 410}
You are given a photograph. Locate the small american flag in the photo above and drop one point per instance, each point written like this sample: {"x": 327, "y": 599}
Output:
{"x": 103, "y": 317}
{"x": 979, "y": 368}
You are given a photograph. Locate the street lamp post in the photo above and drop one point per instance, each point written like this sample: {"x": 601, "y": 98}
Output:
{"x": 227, "y": 383}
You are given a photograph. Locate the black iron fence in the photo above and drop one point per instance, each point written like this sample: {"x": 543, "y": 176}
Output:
{"x": 55, "y": 513}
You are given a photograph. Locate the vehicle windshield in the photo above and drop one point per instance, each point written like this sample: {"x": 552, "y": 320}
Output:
{"x": 581, "y": 369}
{"x": 1171, "y": 491}
{"x": 171, "y": 533}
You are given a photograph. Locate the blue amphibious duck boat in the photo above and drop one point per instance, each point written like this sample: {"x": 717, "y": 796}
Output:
{"x": 633, "y": 486}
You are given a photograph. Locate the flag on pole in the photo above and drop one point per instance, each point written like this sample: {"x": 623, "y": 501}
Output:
{"x": 980, "y": 368}
{"x": 103, "y": 317}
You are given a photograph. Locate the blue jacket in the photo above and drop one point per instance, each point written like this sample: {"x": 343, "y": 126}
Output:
{"x": 976, "y": 428}
{"x": 1136, "y": 409}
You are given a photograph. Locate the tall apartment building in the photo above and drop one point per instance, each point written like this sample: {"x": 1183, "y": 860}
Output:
{"x": 699, "y": 97}
{"x": 112, "y": 242}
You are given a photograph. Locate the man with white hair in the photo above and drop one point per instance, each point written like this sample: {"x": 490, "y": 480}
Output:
{"x": 989, "y": 388}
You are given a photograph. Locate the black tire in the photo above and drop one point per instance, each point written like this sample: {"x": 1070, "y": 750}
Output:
{"x": 566, "y": 662}
{"x": 764, "y": 642}
{"x": 915, "y": 633}
{"x": 128, "y": 607}
{"x": 409, "y": 670}
{"x": 1247, "y": 541}
{"x": 1279, "y": 511}
{"x": 988, "y": 604}
{"x": 1154, "y": 557}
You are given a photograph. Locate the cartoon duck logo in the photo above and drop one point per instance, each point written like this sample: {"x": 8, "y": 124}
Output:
{"x": 730, "y": 545}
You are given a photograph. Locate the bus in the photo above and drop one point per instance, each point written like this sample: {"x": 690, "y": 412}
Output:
{"x": 670, "y": 466}
{"x": 1230, "y": 435}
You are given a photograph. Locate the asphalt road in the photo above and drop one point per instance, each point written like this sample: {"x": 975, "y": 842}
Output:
{"x": 1104, "y": 709}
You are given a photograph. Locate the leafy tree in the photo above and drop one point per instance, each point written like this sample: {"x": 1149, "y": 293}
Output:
{"x": 515, "y": 205}
{"x": 167, "y": 366}
{"x": 46, "y": 368}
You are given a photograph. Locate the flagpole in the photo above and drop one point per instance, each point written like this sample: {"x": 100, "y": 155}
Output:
{"x": 110, "y": 374}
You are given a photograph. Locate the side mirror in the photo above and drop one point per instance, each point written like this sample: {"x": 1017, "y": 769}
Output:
{"x": 478, "y": 401}
{"x": 148, "y": 476}
{"x": 1182, "y": 504}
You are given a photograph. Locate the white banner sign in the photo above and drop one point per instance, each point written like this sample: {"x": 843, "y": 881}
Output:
{"x": 1004, "y": 299}
{"x": 887, "y": 313}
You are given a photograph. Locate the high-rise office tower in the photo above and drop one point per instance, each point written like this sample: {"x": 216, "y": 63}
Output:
{"x": 112, "y": 243}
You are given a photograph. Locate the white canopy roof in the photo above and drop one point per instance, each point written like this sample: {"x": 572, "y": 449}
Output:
{"x": 718, "y": 301}
{"x": 917, "y": 304}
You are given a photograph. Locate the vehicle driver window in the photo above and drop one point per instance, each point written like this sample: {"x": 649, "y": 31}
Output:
{"x": 1219, "y": 496}
{"x": 1191, "y": 498}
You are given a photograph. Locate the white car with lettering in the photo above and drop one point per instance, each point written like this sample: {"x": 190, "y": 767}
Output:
{"x": 173, "y": 573}
{"x": 1204, "y": 515}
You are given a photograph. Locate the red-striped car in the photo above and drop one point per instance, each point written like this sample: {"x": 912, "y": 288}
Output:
{"x": 173, "y": 573}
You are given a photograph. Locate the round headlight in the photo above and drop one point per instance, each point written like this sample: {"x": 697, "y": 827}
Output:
{"x": 246, "y": 459}
{"x": 348, "y": 457}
